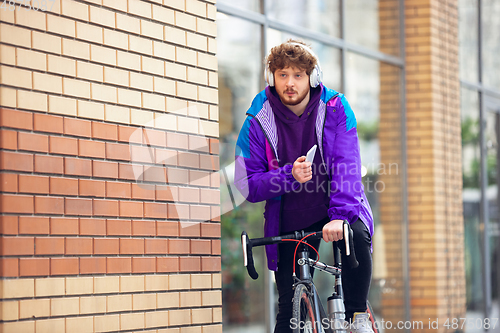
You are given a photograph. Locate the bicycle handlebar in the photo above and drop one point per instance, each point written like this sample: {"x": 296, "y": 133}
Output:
{"x": 248, "y": 243}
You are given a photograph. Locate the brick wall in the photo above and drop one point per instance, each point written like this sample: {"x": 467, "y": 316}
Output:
{"x": 108, "y": 156}
{"x": 437, "y": 278}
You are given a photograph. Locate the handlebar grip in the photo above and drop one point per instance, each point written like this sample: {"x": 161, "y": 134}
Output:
{"x": 349, "y": 246}
{"x": 248, "y": 256}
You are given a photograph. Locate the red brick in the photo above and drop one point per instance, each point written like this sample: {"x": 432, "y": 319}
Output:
{"x": 154, "y": 138}
{"x": 16, "y": 119}
{"x": 210, "y": 196}
{"x": 214, "y": 146}
{"x": 77, "y": 167}
{"x": 143, "y": 265}
{"x": 78, "y": 206}
{"x": 92, "y": 265}
{"x": 8, "y": 139}
{"x": 143, "y": 191}
{"x": 16, "y": 203}
{"x": 189, "y": 264}
{"x": 92, "y": 227}
{"x": 117, "y": 151}
{"x": 16, "y": 161}
{"x": 125, "y": 134}
{"x": 201, "y": 246}
{"x": 198, "y": 143}
{"x": 9, "y": 225}
{"x": 91, "y": 188}
{"x": 215, "y": 215}
{"x": 156, "y": 246}
{"x": 63, "y": 146}
{"x": 64, "y": 266}
{"x": 214, "y": 179}
{"x": 78, "y": 246}
{"x": 167, "y": 265}
{"x": 9, "y": 267}
{"x": 189, "y": 194}
{"x": 154, "y": 174}
{"x": 105, "y": 207}
{"x": 178, "y": 211}
{"x": 104, "y": 131}
{"x": 17, "y": 246}
{"x": 49, "y": 245}
{"x": 167, "y": 193}
{"x": 155, "y": 210}
{"x": 199, "y": 178}
{"x": 8, "y": 182}
{"x": 210, "y": 264}
{"x": 166, "y": 157}
{"x": 118, "y": 190}
{"x": 34, "y": 267}
{"x": 63, "y": 186}
{"x": 119, "y": 227}
{"x": 32, "y": 225}
{"x": 210, "y": 230}
{"x": 178, "y": 246}
{"x": 77, "y": 127}
{"x": 189, "y": 160}
{"x": 130, "y": 171}
{"x": 49, "y": 205}
{"x": 143, "y": 228}
{"x": 105, "y": 169}
{"x": 131, "y": 246}
{"x": 119, "y": 265}
{"x": 200, "y": 212}
{"x": 107, "y": 246}
{"x": 48, "y": 123}
{"x": 87, "y": 148}
{"x": 177, "y": 140}
{"x": 33, "y": 142}
{"x": 63, "y": 226}
{"x": 49, "y": 164}
{"x": 131, "y": 208}
{"x": 167, "y": 228}
{"x": 216, "y": 246}
{"x": 209, "y": 162}
{"x": 142, "y": 154}
{"x": 177, "y": 176}
{"x": 33, "y": 184}
{"x": 189, "y": 229}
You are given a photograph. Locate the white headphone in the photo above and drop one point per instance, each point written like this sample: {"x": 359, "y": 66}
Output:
{"x": 316, "y": 74}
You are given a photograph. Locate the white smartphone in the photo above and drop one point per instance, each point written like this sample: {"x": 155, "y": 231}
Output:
{"x": 311, "y": 153}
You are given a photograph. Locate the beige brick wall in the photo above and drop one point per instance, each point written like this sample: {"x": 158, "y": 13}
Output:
{"x": 109, "y": 133}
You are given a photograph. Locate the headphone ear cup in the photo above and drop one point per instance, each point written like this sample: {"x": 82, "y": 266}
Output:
{"x": 315, "y": 77}
{"x": 269, "y": 77}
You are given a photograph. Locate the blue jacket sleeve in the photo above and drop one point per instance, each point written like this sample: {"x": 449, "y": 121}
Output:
{"x": 345, "y": 174}
{"x": 252, "y": 175}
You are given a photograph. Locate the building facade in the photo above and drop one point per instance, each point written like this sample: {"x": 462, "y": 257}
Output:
{"x": 109, "y": 158}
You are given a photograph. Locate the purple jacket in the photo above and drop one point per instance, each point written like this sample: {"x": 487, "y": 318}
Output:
{"x": 258, "y": 177}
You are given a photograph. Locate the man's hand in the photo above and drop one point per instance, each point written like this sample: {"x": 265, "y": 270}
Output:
{"x": 302, "y": 170}
{"x": 333, "y": 231}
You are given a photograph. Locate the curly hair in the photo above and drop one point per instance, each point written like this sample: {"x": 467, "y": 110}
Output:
{"x": 290, "y": 55}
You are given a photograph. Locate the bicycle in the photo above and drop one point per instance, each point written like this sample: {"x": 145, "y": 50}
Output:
{"x": 308, "y": 314}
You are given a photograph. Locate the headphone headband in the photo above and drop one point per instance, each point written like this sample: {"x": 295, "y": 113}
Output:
{"x": 314, "y": 78}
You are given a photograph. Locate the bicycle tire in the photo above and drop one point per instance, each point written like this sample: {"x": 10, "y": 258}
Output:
{"x": 372, "y": 317}
{"x": 303, "y": 320}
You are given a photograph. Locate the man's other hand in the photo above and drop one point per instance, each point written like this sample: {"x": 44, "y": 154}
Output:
{"x": 333, "y": 231}
{"x": 302, "y": 170}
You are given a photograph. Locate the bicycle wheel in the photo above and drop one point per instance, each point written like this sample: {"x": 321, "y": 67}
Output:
{"x": 303, "y": 319}
{"x": 372, "y": 317}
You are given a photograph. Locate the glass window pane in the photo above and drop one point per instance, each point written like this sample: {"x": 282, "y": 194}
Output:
{"x": 240, "y": 77}
{"x": 253, "y": 5}
{"x": 469, "y": 47}
{"x": 491, "y": 43}
{"x": 472, "y": 201}
{"x": 374, "y": 24}
{"x": 329, "y": 57}
{"x": 373, "y": 90}
{"x": 317, "y": 15}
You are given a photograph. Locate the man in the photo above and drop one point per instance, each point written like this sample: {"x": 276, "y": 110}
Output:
{"x": 294, "y": 113}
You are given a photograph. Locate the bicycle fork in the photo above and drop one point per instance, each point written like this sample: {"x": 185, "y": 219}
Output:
{"x": 336, "y": 308}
